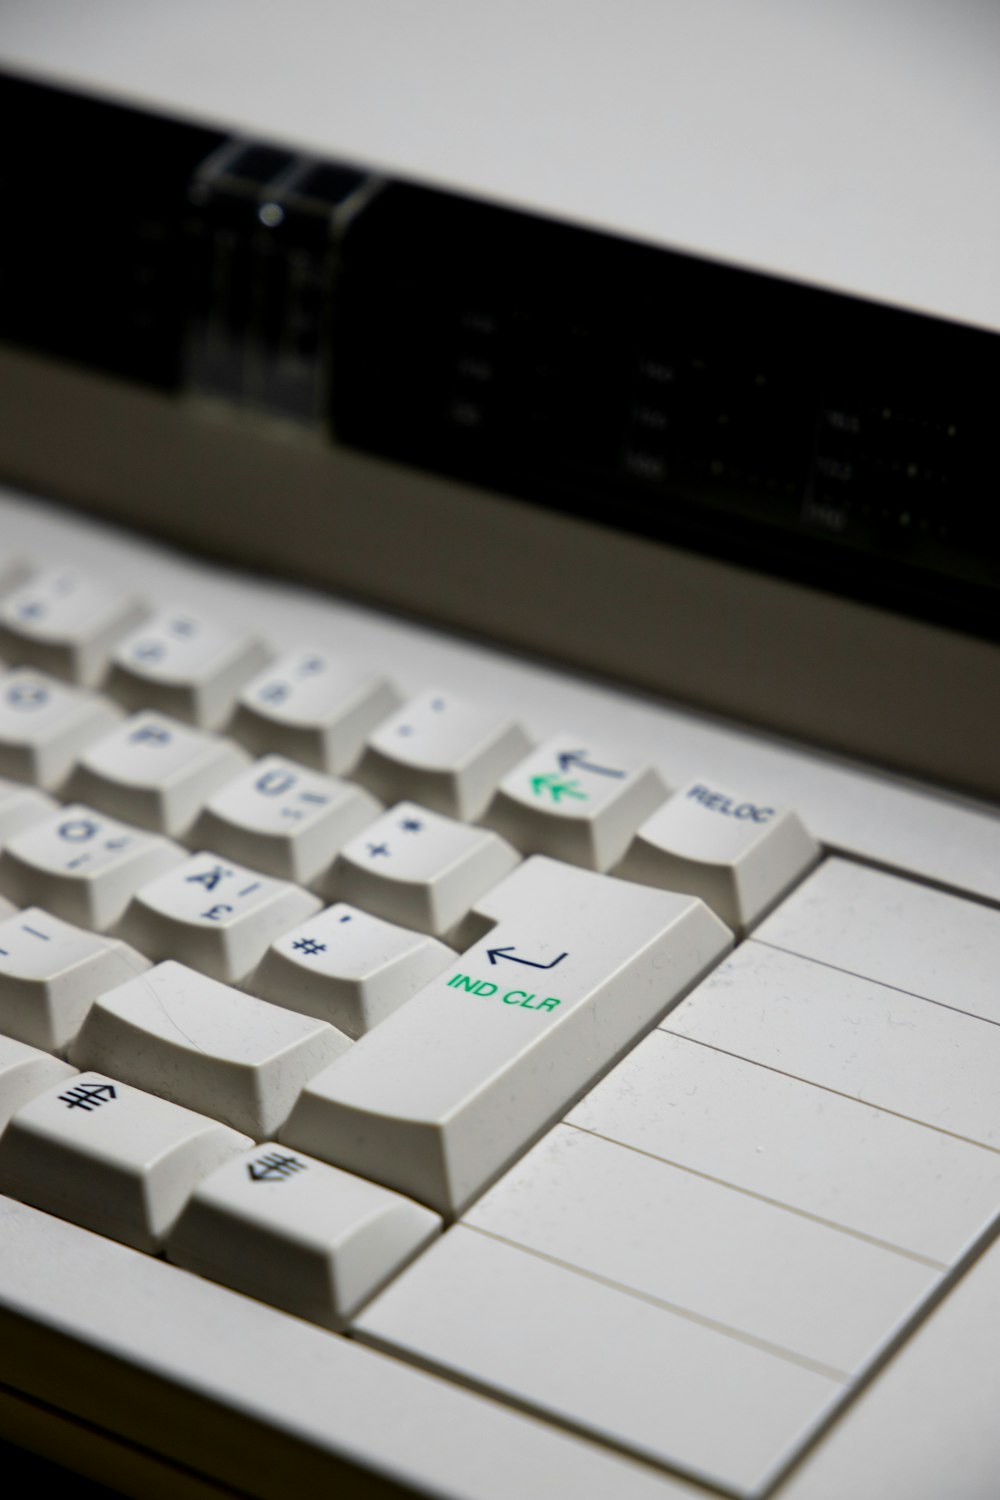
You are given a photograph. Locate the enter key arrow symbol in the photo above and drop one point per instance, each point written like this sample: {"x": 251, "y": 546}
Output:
{"x": 493, "y": 954}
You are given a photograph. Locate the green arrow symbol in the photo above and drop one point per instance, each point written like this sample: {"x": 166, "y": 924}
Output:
{"x": 556, "y": 787}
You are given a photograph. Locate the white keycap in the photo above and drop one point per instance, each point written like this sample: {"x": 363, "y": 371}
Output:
{"x": 800, "y": 1287}
{"x": 213, "y": 914}
{"x": 833, "y": 1158}
{"x": 447, "y": 1090}
{"x": 900, "y": 932}
{"x": 185, "y": 663}
{"x": 644, "y": 1377}
{"x": 83, "y": 865}
{"x": 24, "y": 1072}
{"x": 111, "y": 1158}
{"x": 66, "y": 621}
{"x": 420, "y": 868}
{"x": 739, "y": 855}
{"x": 576, "y": 801}
{"x": 348, "y": 968}
{"x": 290, "y": 1230}
{"x": 283, "y": 818}
{"x": 155, "y": 771}
{"x": 866, "y": 1040}
{"x": 51, "y": 972}
{"x": 443, "y": 751}
{"x": 45, "y": 724}
{"x": 311, "y": 707}
{"x": 204, "y": 1045}
{"x": 20, "y": 807}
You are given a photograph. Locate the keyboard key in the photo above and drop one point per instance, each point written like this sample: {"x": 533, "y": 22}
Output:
{"x": 93, "y": 1150}
{"x": 213, "y": 914}
{"x": 447, "y": 1090}
{"x": 444, "y": 752}
{"x": 299, "y": 1234}
{"x": 24, "y": 1072}
{"x": 204, "y": 1045}
{"x": 186, "y": 664}
{"x": 349, "y": 968}
{"x": 420, "y": 868}
{"x": 83, "y": 865}
{"x": 897, "y": 931}
{"x": 738, "y": 855}
{"x": 704, "y": 1248}
{"x": 66, "y": 621}
{"x": 155, "y": 771}
{"x": 575, "y": 801}
{"x": 284, "y": 819}
{"x": 45, "y": 725}
{"x": 312, "y": 708}
{"x": 20, "y": 807}
{"x": 663, "y": 1386}
{"x": 767, "y": 1134}
{"x": 865, "y": 1040}
{"x": 51, "y": 972}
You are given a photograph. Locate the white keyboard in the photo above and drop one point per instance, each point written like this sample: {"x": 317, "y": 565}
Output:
{"x": 419, "y": 1063}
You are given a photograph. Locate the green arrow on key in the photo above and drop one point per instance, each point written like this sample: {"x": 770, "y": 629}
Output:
{"x": 556, "y": 787}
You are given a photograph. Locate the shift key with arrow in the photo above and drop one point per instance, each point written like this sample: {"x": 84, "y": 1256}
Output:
{"x": 577, "y": 801}
{"x": 444, "y": 1094}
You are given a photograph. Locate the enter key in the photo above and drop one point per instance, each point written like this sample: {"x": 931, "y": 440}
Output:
{"x": 442, "y": 1096}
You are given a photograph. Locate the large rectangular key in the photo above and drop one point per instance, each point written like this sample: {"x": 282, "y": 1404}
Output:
{"x": 442, "y": 1095}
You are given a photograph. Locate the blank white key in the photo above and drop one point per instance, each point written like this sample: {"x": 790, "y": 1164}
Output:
{"x": 24, "y": 1072}
{"x": 155, "y": 771}
{"x": 757, "y": 1269}
{"x": 444, "y": 752}
{"x": 45, "y": 724}
{"x": 204, "y": 1045}
{"x": 662, "y": 1386}
{"x": 306, "y": 1403}
{"x": 313, "y": 708}
{"x": 866, "y": 1040}
{"x": 348, "y": 968}
{"x": 66, "y": 621}
{"x": 885, "y": 927}
{"x": 109, "y": 1157}
{"x": 420, "y": 868}
{"x": 83, "y": 865}
{"x": 214, "y": 914}
{"x": 185, "y": 663}
{"x": 819, "y": 1153}
{"x": 51, "y": 972}
{"x": 20, "y": 807}
{"x": 576, "y": 801}
{"x": 292, "y": 1231}
{"x": 447, "y": 1090}
{"x": 739, "y": 855}
{"x": 283, "y": 818}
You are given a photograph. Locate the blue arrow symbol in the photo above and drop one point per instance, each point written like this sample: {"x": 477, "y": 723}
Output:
{"x": 578, "y": 758}
{"x": 494, "y": 953}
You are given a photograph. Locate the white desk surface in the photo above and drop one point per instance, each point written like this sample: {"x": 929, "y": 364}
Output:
{"x": 848, "y": 143}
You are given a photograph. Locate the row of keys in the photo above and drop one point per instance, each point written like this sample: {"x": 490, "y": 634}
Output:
{"x": 290, "y": 821}
{"x": 450, "y": 1085}
{"x": 275, "y": 1224}
{"x": 342, "y": 966}
{"x": 567, "y": 798}
{"x": 409, "y": 866}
